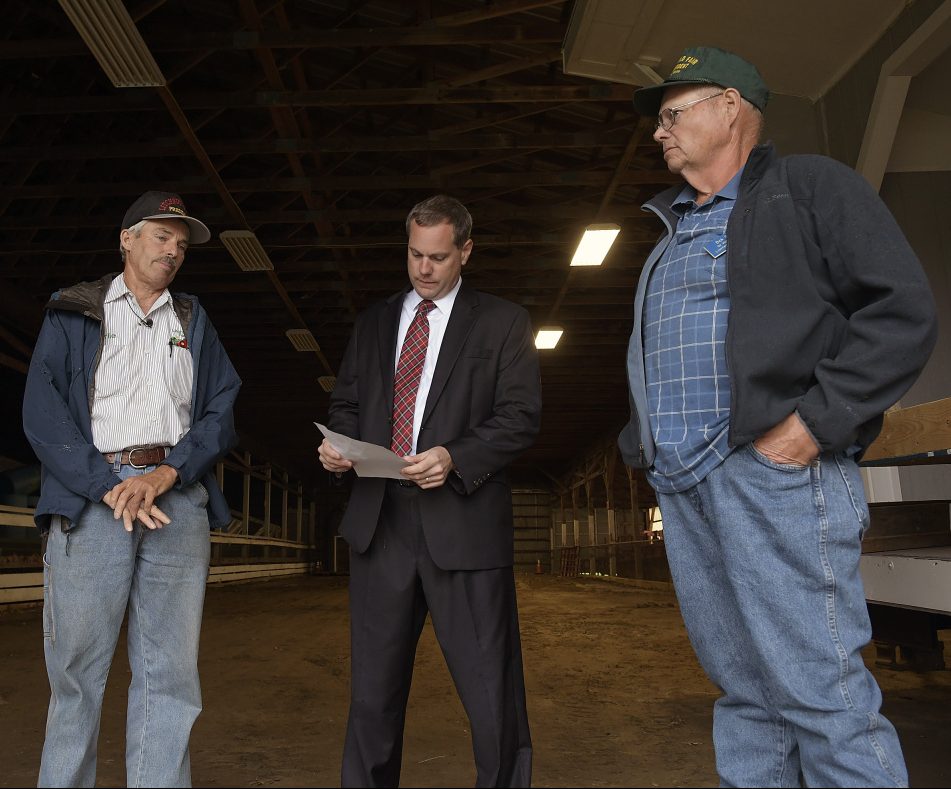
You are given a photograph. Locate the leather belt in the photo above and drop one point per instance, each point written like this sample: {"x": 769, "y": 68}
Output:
{"x": 139, "y": 457}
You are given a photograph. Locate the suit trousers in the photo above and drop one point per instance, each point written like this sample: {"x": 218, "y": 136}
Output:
{"x": 393, "y": 585}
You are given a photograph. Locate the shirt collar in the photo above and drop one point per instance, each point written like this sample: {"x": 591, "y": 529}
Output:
{"x": 118, "y": 290}
{"x": 688, "y": 195}
{"x": 444, "y": 304}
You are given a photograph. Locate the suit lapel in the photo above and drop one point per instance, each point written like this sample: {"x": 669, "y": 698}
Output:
{"x": 463, "y": 318}
{"x": 388, "y": 328}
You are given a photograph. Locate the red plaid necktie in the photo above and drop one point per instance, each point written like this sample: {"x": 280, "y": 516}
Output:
{"x": 408, "y": 372}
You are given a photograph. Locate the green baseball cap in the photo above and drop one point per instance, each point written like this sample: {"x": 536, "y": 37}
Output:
{"x": 706, "y": 66}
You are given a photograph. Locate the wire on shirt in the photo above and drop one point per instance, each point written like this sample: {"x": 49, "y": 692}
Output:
{"x": 147, "y": 322}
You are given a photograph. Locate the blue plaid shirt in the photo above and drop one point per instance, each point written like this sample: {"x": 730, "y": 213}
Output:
{"x": 685, "y": 321}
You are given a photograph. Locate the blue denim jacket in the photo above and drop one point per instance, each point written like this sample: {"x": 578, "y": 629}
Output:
{"x": 58, "y": 402}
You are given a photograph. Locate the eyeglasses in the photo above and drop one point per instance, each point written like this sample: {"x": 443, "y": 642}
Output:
{"x": 668, "y": 117}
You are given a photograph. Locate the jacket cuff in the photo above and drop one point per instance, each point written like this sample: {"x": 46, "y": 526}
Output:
{"x": 98, "y": 491}
{"x": 807, "y": 429}
{"x": 831, "y": 430}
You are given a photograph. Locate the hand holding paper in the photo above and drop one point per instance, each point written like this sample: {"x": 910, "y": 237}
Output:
{"x": 369, "y": 460}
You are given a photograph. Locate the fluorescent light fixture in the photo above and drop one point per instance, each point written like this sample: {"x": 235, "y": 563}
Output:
{"x": 114, "y": 40}
{"x": 327, "y": 382}
{"x": 246, "y": 250}
{"x": 548, "y": 337}
{"x": 302, "y": 340}
{"x": 595, "y": 243}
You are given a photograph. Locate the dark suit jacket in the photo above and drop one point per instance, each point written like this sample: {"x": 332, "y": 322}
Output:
{"x": 484, "y": 407}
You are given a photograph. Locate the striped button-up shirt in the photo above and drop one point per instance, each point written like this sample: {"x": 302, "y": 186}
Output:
{"x": 685, "y": 322}
{"x": 143, "y": 384}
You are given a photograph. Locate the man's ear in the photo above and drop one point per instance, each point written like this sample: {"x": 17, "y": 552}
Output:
{"x": 733, "y": 102}
{"x": 466, "y": 251}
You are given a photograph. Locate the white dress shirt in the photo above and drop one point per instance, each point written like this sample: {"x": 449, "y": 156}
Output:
{"x": 438, "y": 319}
{"x": 143, "y": 384}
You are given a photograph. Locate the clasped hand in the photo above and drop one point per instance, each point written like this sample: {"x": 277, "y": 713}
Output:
{"x": 134, "y": 498}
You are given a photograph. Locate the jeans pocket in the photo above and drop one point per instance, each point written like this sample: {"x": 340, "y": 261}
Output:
{"x": 852, "y": 478}
{"x": 787, "y": 467}
{"x": 49, "y": 632}
{"x": 202, "y": 492}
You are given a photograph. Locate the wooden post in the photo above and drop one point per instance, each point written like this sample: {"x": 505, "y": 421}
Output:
{"x": 610, "y": 463}
{"x": 268, "y": 473}
{"x": 266, "y": 530}
{"x": 312, "y": 532}
{"x": 592, "y": 528}
{"x": 220, "y": 478}
{"x": 638, "y": 524}
{"x": 575, "y": 523}
{"x": 299, "y": 534}
{"x": 246, "y": 503}
{"x": 287, "y": 485}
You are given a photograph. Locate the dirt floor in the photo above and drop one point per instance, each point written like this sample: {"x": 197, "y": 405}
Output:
{"x": 615, "y": 695}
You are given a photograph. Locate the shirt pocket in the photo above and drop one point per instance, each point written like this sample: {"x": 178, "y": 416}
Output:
{"x": 178, "y": 374}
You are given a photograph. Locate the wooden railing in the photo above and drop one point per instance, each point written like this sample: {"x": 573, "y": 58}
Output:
{"x": 272, "y": 533}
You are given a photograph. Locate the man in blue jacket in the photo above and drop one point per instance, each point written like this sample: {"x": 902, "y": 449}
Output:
{"x": 781, "y": 313}
{"x": 128, "y": 405}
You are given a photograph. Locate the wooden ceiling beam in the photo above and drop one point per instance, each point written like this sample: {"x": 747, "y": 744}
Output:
{"x": 286, "y": 124}
{"x": 478, "y": 162}
{"x": 357, "y": 143}
{"x": 493, "y": 11}
{"x": 395, "y": 216}
{"x": 334, "y": 242}
{"x": 342, "y": 97}
{"x": 314, "y": 38}
{"x": 641, "y": 131}
{"x": 493, "y": 119}
{"x": 510, "y": 66}
{"x": 571, "y": 179}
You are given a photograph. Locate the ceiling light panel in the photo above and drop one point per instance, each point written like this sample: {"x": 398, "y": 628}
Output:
{"x": 115, "y": 42}
{"x": 302, "y": 340}
{"x": 244, "y": 247}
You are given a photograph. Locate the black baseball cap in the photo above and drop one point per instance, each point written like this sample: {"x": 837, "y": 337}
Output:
{"x": 165, "y": 205}
{"x": 706, "y": 66}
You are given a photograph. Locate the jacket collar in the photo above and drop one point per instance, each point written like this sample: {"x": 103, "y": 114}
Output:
{"x": 759, "y": 160}
{"x": 89, "y": 298}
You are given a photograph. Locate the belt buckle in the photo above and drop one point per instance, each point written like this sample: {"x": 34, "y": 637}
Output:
{"x": 132, "y": 462}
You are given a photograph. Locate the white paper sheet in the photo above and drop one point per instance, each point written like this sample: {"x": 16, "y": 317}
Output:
{"x": 369, "y": 460}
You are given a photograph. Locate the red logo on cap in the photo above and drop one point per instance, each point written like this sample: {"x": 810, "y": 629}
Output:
{"x": 173, "y": 204}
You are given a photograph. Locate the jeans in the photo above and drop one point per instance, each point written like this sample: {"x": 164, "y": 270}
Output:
{"x": 765, "y": 560}
{"x": 93, "y": 572}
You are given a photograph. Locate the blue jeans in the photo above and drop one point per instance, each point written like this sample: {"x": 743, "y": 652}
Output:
{"x": 93, "y": 572}
{"x": 765, "y": 560}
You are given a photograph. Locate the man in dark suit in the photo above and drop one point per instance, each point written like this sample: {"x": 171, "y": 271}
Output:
{"x": 448, "y": 378}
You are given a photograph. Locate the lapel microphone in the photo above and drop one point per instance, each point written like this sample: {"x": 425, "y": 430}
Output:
{"x": 147, "y": 322}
